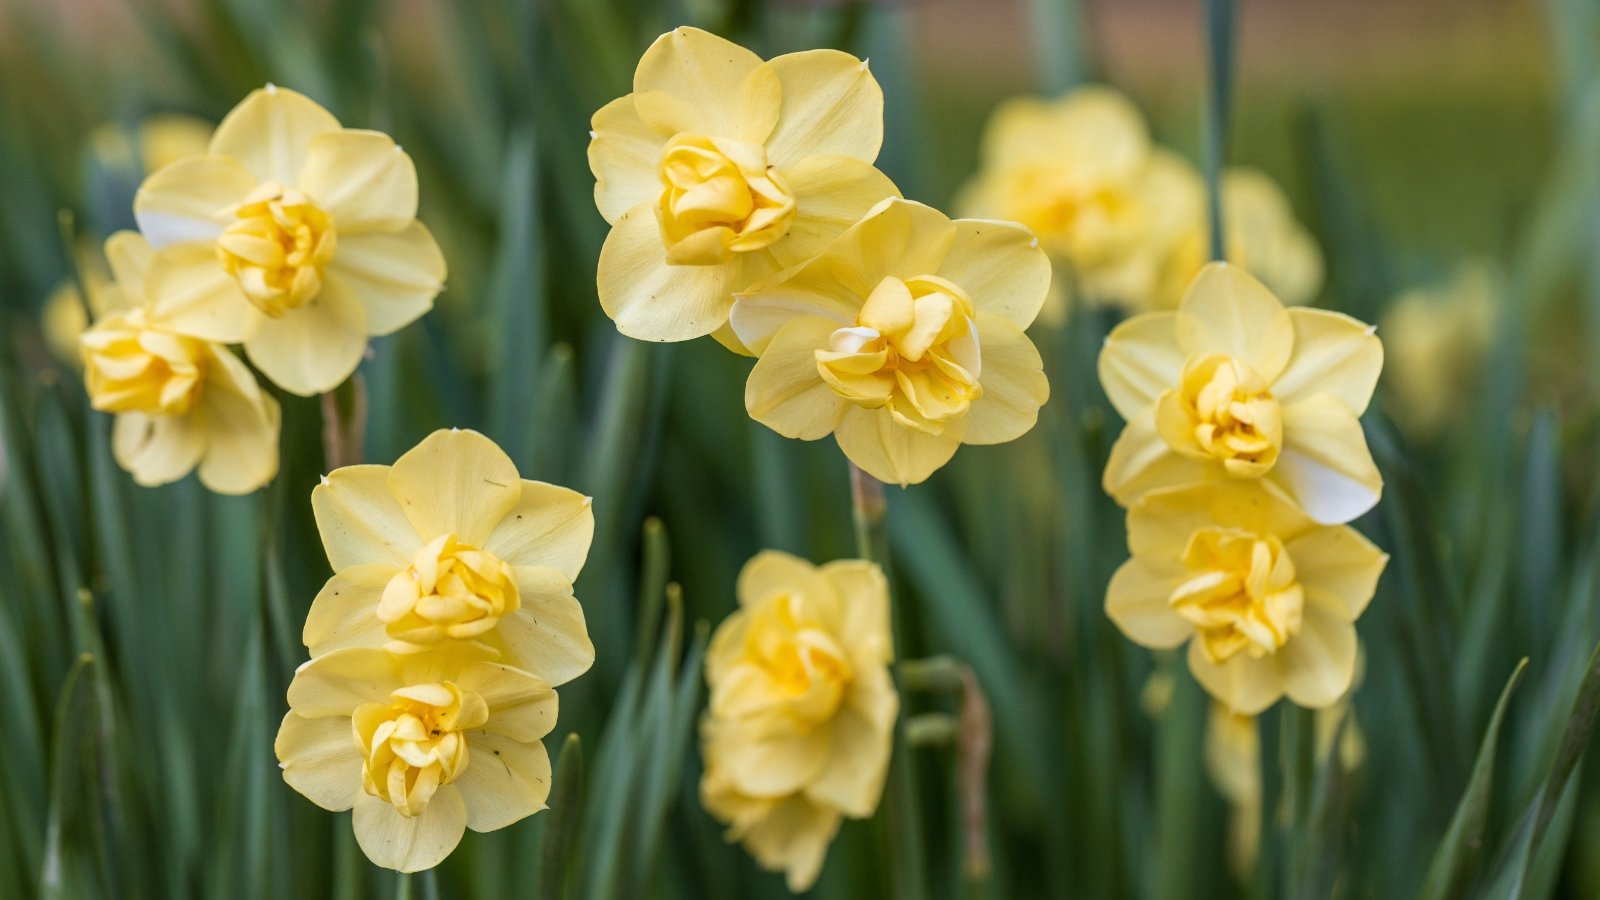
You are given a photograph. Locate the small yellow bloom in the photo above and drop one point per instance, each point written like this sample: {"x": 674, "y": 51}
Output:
{"x": 180, "y": 401}
{"x": 451, "y": 546}
{"x": 1265, "y": 597}
{"x": 904, "y": 340}
{"x": 294, "y": 236}
{"x": 802, "y": 709}
{"x": 1439, "y": 335}
{"x": 422, "y": 745}
{"x": 1234, "y": 386}
{"x": 720, "y": 169}
{"x": 1233, "y": 760}
{"x": 1264, "y": 239}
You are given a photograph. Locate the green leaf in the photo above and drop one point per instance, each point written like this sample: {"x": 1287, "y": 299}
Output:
{"x": 561, "y": 826}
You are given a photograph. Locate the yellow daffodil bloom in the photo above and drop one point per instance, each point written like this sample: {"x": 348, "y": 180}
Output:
{"x": 1233, "y": 386}
{"x": 904, "y": 340}
{"x": 293, "y": 236}
{"x": 451, "y": 546}
{"x": 1266, "y": 598}
{"x": 421, "y": 745}
{"x": 1439, "y": 335}
{"x": 1264, "y": 239}
{"x": 719, "y": 169}
{"x": 802, "y": 710}
{"x": 180, "y": 401}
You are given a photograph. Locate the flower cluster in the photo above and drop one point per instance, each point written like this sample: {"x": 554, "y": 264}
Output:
{"x": 1241, "y": 460}
{"x": 436, "y": 647}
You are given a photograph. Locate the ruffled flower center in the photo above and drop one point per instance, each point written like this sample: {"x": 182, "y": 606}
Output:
{"x": 806, "y": 668}
{"x": 913, "y": 350}
{"x": 451, "y": 591}
{"x": 1222, "y": 410}
{"x": 1086, "y": 224}
{"x": 1240, "y": 594}
{"x": 130, "y": 367}
{"x": 416, "y": 742}
{"x": 277, "y": 248}
{"x": 719, "y": 198}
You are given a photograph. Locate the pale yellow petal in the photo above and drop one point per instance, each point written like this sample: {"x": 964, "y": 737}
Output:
{"x": 314, "y": 348}
{"x": 1140, "y": 359}
{"x": 547, "y": 635}
{"x": 652, "y": 300}
{"x": 773, "y": 573}
{"x": 831, "y": 194}
{"x": 456, "y": 482}
{"x": 762, "y": 763}
{"x": 505, "y": 780}
{"x": 1160, "y": 525}
{"x": 344, "y": 613}
{"x": 549, "y": 526}
{"x": 1317, "y": 665}
{"x": 891, "y": 452}
{"x": 157, "y": 450}
{"x": 1001, "y": 267}
{"x": 1341, "y": 563}
{"x": 1243, "y": 684}
{"x": 242, "y": 425}
{"x": 1013, "y": 381}
{"x": 1141, "y": 462}
{"x": 360, "y": 520}
{"x": 129, "y": 256}
{"x": 190, "y": 199}
{"x": 270, "y": 132}
{"x": 832, "y": 106}
{"x": 189, "y": 292}
{"x": 410, "y": 844}
{"x": 1227, "y": 311}
{"x": 1333, "y": 354}
{"x": 1138, "y": 601}
{"x": 864, "y": 593}
{"x": 625, "y": 157}
{"x": 858, "y": 760}
{"x": 693, "y": 81}
{"x": 336, "y": 683}
{"x": 793, "y": 838}
{"x": 320, "y": 760}
{"x": 1094, "y": 132}
{"x": 785, "y": 392}
{"x": 757, "y": 315}
{"x": 395, "y": 275}
{"x": 362, "y": 179}
{"x": 1325, "y": 464}
{"x": 522, "y": 707}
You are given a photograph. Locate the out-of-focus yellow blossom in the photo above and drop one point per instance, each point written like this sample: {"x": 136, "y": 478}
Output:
{"x": 66, "y": 315}
{"x": 720, "y": 169}
{"x": 451, "y": 546}
{"x": 904, "y": 340}
{"x": 421, "y": 745}
{"x": 1233, "y": 760}
{"x": 180, "y": 401}
{"x": 158, "y": 141}
{"x": 802, "y": 709}
{"x": 1264, "y": 239}
{"x": 1439, "y": 336}
{"x": 1266, "y": 598}
{"x": 294, "y": 236}
{"x": 1081, "y": 172}
{"x": 1233, "y": 386}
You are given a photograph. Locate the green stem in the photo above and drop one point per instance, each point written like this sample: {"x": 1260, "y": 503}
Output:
{"x": 1219, "y": 49}
{"x": 1297, "y": 749}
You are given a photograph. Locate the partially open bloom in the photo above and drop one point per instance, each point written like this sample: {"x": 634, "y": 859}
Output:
{"x": 422, "y": 745}
{"x": 904, "y": 340}
{"x": 1266, "y": 598}
{"x": 1439, "y": 334}
{"x": 180, "y": 401}
{"x": 1233, "y": 386}
{"x": 451, "y": 546}
{"x": 720, "y": 169}
{"x": 802, "y": 709}
{"x": 294, "y": 236}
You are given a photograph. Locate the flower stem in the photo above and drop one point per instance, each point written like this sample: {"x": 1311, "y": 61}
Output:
{"x": 344, "y": 423}
{"x": 1297, "y": 758}
{"x": 1219, "y": 53}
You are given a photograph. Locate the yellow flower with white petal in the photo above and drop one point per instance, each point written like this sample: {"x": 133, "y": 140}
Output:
{"x": 451, "y": 546}
{"x": 1264, "y": 239}
{"x": 421, "y": 745}
{"x": 904, "y": 340}
{"x": 798, "y": 733}
{"x": 720, "y": 169}
{"x": 1232, "y": 385}
{"x": 1266, "y": 598}
{"x": 180, "y": 401}
{"x": 293, "y": 236}
{"x": 1440, "y": 334}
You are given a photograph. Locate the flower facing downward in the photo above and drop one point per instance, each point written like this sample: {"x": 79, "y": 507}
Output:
{"x": 451, "y": 546}
{"x": 802, "y": 709}
{"x": 720, "y": 169}
{"x": 1265, "y": 597}
{"x": 1234, "y": 386}
{"x": 180, "y": 401}
{"x": 904, "y": 340}
{"x": 294, "y": 236}
{"x": 422, "y": 745}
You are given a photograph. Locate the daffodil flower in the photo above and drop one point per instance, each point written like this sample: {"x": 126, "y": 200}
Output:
{"x": 294, "y": 236}
{"x": 421, "y": 745}
{"x": 802, "y": 710}
{"x": 720, "y": 169}
{"x": 181, "y": 402}
{"x": 1266, "y": 598}
{"x": 451, "y": 546}
{"x": 904, "y": 340}
{"x": 1233, "y": 386}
